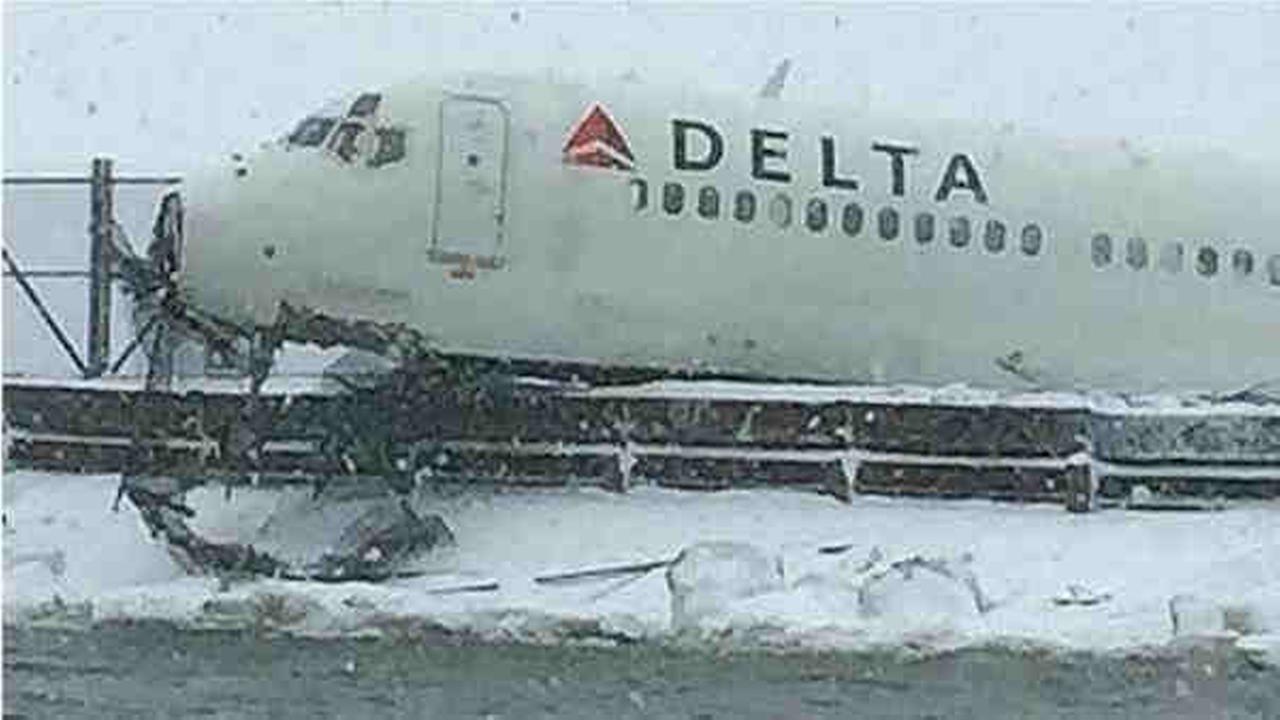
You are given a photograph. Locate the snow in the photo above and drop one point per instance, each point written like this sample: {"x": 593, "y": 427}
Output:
{"x": 1168, "y": 405}
{"x": 956, "y": 395}
{"x": 281, "y": 384}
{"x": 915, "y": 573}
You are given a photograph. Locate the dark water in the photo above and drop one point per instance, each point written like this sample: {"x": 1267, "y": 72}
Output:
{"x": 156, "y": 671}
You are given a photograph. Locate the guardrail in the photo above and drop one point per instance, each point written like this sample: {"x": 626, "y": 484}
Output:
{"x": 102, "y": 226}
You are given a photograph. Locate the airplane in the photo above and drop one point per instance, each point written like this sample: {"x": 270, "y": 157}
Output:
{"x": 694, "y": 232}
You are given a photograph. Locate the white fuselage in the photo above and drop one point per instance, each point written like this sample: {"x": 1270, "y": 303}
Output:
{"x": 516, "y": 225}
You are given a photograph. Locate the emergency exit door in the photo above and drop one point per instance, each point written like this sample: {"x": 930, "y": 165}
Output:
{"x": 470, "y": 182}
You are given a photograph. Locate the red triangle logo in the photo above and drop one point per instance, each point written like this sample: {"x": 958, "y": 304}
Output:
{"x": 596, "y": 141}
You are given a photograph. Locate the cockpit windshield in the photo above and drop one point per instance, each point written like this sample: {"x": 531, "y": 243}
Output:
{"x": 316, "y": 126}
{"x": 365, "y": 105}
{"x": 354, "y": 133}
{"x": 311, "y": 131}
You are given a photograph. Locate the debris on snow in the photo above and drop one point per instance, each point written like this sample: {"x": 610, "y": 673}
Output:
{"x": 922, "y": 587}
{"x": 1081, "y": 595}
{"x": 707, "y": 577}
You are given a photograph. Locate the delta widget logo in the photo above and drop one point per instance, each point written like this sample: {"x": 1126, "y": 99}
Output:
{"x": 596, "y": 141}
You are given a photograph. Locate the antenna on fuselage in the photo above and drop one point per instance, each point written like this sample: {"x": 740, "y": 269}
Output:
{"x": 773, "y": 86}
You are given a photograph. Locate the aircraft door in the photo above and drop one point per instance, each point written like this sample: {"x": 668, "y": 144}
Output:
{"x": 470, "y": 183}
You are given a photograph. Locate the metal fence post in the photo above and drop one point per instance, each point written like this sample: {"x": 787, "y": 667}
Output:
{"x": 101, "y": 225}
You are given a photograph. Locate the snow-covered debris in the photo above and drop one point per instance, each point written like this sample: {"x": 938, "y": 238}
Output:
{"x": 1076, "y": 594}
{"x": 1248, "y": 615}
{"x": 921, "y": 590}
{"x": 707, "y": 578}
{"x": 382, "y": 540}
{"x": 1245, "y": 618}
{"x": 1261, "y": 650}
{"x": 925, "y": 568}
{"x": 1194, "y": 616}
{"x": 336, "y": 533}
{"x": 54, "y": 560}
{"x": 356, "y": 367}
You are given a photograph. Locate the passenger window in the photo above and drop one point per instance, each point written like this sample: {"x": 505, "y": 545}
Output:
{"x": 1273, "y": 269}
{"x": 1207, "y": 261}
{"x": 993, "y": 236}
{"x": 641, "y": 195}
{"x": 709, "y": 202}
{"x": 1135, "y": 253}
{"x": 365, "y": 105}
{"x": 924, "y": 228}
{"x": 1101, "y": 250}
{"x": 1171, "y": 257}
{"x": 672, "y": 198}
{"x": 780, "y": 210}
{"x": 1242, "y": 262}
{"x": 851, "y": 219}
{"x": 960, "y": 231}
{"x": 744, "y": 206}
{"x": 391, "y": 147}
{"x": 888, "y": 221}
{"x": 1032, "y": 239}
{"x": 311, "y": 132}
{"x": 815, "y": 215}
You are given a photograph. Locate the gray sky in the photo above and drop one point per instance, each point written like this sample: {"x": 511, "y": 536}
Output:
{"x": 162, "y": 86}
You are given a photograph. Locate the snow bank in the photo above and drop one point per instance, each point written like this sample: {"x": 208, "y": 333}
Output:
{"x": 760, "y": 567}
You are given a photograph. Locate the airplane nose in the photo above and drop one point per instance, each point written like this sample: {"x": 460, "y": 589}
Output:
{"x": 202, "y": 237}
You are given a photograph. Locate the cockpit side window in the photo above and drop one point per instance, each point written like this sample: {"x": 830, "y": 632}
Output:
{"x": 391, "y": 147}
{"x": 311, "y": 131}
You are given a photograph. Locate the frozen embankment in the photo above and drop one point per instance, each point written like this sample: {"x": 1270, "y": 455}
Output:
{"x": 752, "y": 568}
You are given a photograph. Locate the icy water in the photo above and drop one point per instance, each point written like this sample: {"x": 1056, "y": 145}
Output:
{"x": 156, "y": 671}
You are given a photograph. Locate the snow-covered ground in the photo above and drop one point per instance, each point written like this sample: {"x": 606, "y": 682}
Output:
{"x": 907, "y": 573}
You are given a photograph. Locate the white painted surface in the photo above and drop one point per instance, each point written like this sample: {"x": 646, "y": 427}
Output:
{"x": 587, "y": 275}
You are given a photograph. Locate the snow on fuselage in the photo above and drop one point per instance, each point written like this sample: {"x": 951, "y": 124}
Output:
{"x": 631, "y": 225}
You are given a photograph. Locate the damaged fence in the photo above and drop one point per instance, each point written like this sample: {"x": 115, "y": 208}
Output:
{"x": 833, "y": 440}
{"x": 105, "y": 237}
